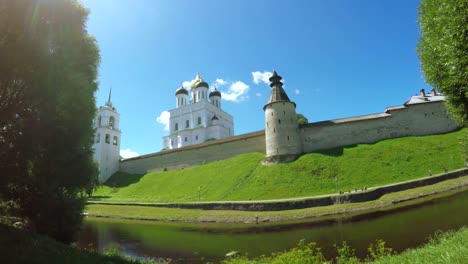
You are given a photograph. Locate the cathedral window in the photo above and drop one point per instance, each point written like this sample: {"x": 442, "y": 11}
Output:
{"x": 196, "y": 137}
{"x": 288, "y": 138}
{"x": 187, "y": 124}
{"x": 279, "y": 121}
{"x": 115, "y": 141}
{"x": 199, "y": 121}
{"x": 98, "y": 138}
{"x": 185, "y": 139}
{"x": 176, "y": 127}
{"x": 99, "y": 121}
{"x": 107, "y": 138}
{"x": 111, "y": 121}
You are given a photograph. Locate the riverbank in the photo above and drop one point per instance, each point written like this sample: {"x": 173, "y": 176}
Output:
{"x": 449, "y": 247}
{"x": 391, "y": 201}
{"x": 22, "y": 246}
{"x": 352, "y": 196}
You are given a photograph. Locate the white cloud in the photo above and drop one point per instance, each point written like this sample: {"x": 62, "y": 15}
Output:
{"x": 258, "y": 94}
{"x": 163, "y": 118}
{"x": 237, "y": 92}
{"x": 296, "y": 91}
{"x": 261, "y": 77}
{"x": 220, "y": 82}
{"x": 128, "y": 153}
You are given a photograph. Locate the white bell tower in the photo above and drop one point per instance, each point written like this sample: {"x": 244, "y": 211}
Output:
{"x": 107, "y": 140}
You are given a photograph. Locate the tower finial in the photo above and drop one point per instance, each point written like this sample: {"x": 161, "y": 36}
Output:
{"x": 275, "y": 78}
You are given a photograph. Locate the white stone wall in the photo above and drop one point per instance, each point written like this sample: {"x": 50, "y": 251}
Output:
{"x": 196, "y": 154}
{"x": 412, "y": 120}
{"x": 281, "y": 130}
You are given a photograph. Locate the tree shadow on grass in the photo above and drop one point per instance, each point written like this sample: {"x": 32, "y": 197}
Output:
{"x": 122, "y": 179}
{"x": 98, "y": 197}
{"x": 335, "y": 152}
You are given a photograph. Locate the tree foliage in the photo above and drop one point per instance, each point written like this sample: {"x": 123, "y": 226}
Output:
{"x": 443, "y": 51}
{"x": 48, "y": 71}
{"x": 301, "y": 119}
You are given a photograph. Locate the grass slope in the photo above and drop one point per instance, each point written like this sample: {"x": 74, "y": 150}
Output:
{"x": 244, "y": 178}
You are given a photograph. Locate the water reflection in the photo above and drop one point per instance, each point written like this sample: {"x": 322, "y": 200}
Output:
{"x": 191, "y": 243}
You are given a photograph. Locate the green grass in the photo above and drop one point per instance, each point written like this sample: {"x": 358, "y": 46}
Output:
{"x": 450, "y": 247}
{"x": 320, "y": 213}
{"x": 18, "y": 246}
{"x": 244, "y": 177}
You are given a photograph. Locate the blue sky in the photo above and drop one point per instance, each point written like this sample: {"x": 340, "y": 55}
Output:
{"x": 338, "y": 58}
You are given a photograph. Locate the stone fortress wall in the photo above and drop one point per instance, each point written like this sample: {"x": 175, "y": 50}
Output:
{"x": 415, "y": 119}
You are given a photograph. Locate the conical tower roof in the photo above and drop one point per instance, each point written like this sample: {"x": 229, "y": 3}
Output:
{"x": 278, "y": 94}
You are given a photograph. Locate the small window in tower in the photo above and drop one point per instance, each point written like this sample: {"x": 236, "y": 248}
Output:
{"x": 199, "y": 121}
{"x": 99, "y": 120}
{"x": 279, "y": 121}
{"x": 176, "y": 127}
{"x": 98, "y": 138}
{"x": 271, "y": 113}
{"x": 196, "y": 137}
{"x": 274, "y": 130}
{"x": 115, "y": 141}
{"x": 111, "y": 121}
{"x": 288, "y": 138}
{"x": 185, "y": 139}
{"x": 284, "y": 112}
{"x": 107, "y": 138}
{"x": 187, "y": 124}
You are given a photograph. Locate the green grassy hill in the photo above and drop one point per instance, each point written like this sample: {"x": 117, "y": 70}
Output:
{"x": 245, "y": 178}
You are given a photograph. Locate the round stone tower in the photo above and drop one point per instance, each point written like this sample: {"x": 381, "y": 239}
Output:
{"x": 282, "y": 135}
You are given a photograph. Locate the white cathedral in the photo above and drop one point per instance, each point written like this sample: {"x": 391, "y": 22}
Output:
{"x": 197, "y": 119}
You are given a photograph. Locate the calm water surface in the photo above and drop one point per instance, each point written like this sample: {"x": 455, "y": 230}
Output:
{"x": 199, "y": 243}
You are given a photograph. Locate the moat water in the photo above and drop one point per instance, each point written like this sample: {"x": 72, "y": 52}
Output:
{"x": 199, "y": 243}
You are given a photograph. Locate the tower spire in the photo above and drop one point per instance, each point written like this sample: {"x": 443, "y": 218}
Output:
{"x": 109, "y": 103}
